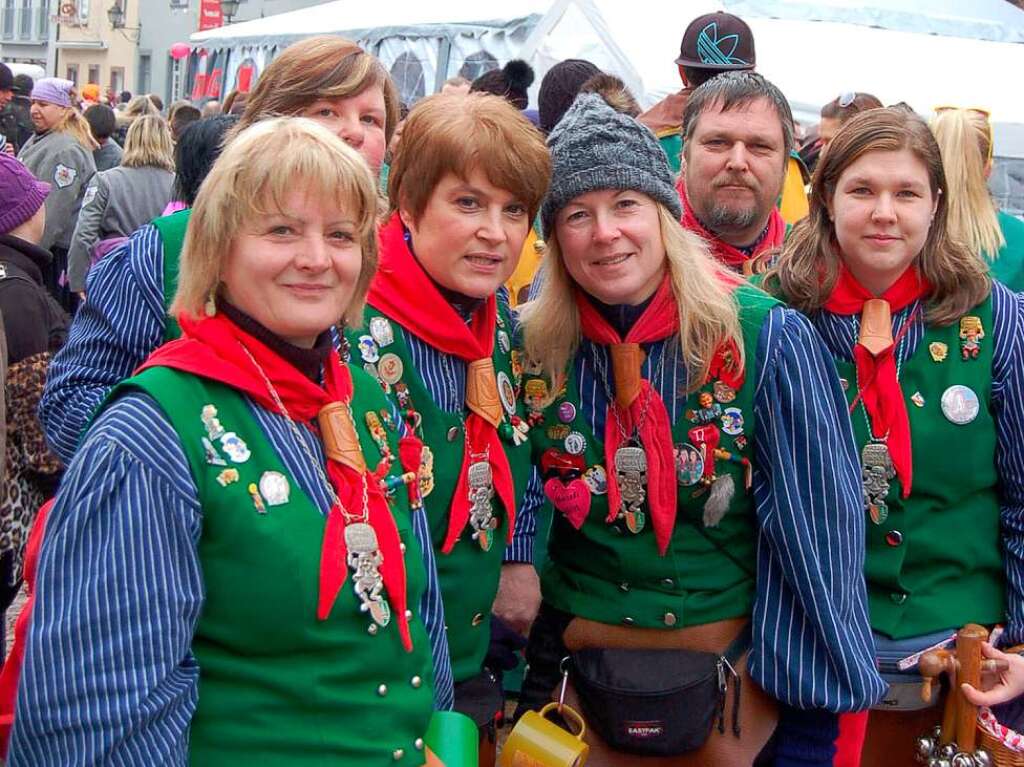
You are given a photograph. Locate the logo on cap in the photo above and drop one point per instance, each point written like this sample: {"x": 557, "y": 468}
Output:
{"x": 715, "y": 50}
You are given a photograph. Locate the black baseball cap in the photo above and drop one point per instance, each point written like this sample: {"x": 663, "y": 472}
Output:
{"x": 6, "y": 78}
{"x": 717, "y": 41}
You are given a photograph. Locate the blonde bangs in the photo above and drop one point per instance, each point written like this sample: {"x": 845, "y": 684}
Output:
{"x": 252, "y": 179}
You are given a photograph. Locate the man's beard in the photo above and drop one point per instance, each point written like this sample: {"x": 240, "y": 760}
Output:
{"x": 721, "y": 218}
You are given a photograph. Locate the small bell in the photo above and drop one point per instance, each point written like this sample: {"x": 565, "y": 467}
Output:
{"x": 982, "y": 758}
{"x": 963, "y": 759}
{"x": 925, "y": 747}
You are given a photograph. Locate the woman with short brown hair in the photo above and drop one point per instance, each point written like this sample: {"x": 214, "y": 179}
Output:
{"x": 928, "y": 348}
{"x": 467, "y": 179}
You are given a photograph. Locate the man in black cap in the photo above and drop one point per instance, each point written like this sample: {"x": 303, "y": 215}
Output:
{"x": 712, "y": 44}
{"x": 15, "y": 119}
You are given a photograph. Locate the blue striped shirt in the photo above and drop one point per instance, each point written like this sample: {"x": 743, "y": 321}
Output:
{"x": 108, "y": 675}
{"x": 840, "y": 335}
{"x": 812, "y": 639}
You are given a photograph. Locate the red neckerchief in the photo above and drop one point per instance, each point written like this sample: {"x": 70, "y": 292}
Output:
{"x": 659, "y": 320}
{"x": 213, "y": 348}
{"x": 725, "y": 253}
{"x": 876, "y": 375}
{"x": 404, "y": 292}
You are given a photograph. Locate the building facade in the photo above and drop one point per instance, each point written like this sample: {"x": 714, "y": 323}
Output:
{"x": 24, "y": 31}
{"x": 88, "y": 48}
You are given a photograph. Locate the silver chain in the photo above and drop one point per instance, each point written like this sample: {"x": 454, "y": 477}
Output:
{"x": 349, "y": 518}
{"x": 602, "y": 371}
{"x": 899, "y": 369}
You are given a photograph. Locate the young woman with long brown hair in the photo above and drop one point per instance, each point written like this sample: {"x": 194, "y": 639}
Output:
{"x": 929, "y": 349}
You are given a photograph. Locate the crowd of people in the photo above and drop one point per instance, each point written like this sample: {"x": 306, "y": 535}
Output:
{"x": 326, "y": 412}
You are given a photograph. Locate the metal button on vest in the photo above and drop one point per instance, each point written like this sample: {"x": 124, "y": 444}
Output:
{"x": 416, "y": 681}
{"x": 398, "y": 753}
{"x": 372, "y": 629}
{"x": 670, "y": 619}
{"x": 382, "y": 690}
{"x": 408, "y": 615}
{"x": 478, "y": 619}
{"x": 418, "y": 744}
{"x": 898, "y": 597}
{"x": 624, "y": 586}
{"x": 894, "y": 538}
{"x": 628, "y": 621}
{"x": 668, "y": 583}
{"x": 453, "y": 433}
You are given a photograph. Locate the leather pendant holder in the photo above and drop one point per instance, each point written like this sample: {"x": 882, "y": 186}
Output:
{"x": 875, "y": 326}
{"x": 338, "y": 434}
{"x": 626, "y": 362}
{"x": 482, "y": 391}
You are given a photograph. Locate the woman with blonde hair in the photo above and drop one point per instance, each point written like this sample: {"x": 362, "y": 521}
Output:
{"x": 241, "y": 509}
{"x": 120, "y": 200}
{"x": 60, "y": 153}
{"x": 929, "y": 348}
{"x": 695, "y": 450}
{"x": 329, "y": 79}
{"x": 966, "y": 141}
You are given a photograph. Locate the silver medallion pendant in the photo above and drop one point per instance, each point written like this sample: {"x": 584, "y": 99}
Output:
{"x": 631, "y": 477}
{"x": 877, "y": 471}
{"x": 481, "y": 511}
{"x": 365, "y": 560}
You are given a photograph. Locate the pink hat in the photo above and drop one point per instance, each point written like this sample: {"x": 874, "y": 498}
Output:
{"x": 21, "y": 195}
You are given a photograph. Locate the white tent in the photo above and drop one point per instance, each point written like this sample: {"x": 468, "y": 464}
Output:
{"x": 422, "y": 43}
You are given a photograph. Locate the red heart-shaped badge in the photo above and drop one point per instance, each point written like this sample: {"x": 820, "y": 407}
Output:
{"x": 572, "y": 499}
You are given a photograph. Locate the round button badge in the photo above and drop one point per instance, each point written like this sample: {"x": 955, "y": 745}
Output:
{"x": 575, "y": 443}
{"x": 960, "y": 404}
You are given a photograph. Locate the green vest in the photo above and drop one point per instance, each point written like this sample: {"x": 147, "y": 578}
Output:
{"x": 277, "y": 687}
{"x": 606, "y": 573}
{"x": 468, "y": 575}
{"x": 1008, "y": 265}
{"x": 172, "y": 230}
{"x": 935, "y": 562}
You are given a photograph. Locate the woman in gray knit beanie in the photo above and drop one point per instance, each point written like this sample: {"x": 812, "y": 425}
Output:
{"x": 646, "y": 359}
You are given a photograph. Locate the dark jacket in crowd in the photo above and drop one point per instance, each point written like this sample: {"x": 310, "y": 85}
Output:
{"x": 15, "y": 122}
{"x": 33, "y": 320}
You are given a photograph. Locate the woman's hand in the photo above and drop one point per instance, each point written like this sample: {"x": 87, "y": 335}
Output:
{"x": 1009, "y": 686}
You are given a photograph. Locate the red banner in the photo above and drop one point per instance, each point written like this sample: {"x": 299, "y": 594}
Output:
{"x": 209, "y": 15}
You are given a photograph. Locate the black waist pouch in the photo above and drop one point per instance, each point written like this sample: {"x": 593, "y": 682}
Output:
{"x": 657, "y": 702}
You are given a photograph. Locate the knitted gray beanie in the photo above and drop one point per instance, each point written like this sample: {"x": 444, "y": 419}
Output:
{"x": 594, "y": 147}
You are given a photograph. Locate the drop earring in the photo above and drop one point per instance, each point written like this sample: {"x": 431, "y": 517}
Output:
{"x": 210, "y": 307}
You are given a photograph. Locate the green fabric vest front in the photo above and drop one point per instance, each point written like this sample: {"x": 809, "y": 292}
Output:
{"x": 608, "y": 574}
{"x": 172, "y": 230}
{"x": 1008, "y": 266}
{"x": 277, "y": 687}
{"x": 936, "y": 562}
{"x": 468, "y": 575}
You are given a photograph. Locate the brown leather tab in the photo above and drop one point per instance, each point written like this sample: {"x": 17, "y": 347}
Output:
{"x": 626, "y": 362}
{"x": 875, "y": 326}
{"x": 482, "y": 391}
{"x": 338, "y": 433}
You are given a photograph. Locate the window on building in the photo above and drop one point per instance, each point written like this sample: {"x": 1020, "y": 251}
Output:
{"x": 7, "y": 26}
{"x": 72, "y": 73}
{"x": 42, "y": 21}
{"x": 145, "y": 72}
{"x": 25, "y": 20}
{"x": 94, "y": 74}
{"x": 117, "y": 79}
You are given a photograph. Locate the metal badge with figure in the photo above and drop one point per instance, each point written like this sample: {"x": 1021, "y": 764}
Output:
{"x": 631, "y": 477}
{"x": 877, "y": 471}
{"x": 365, "y": 559}
{"x": 481, "y": 510}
